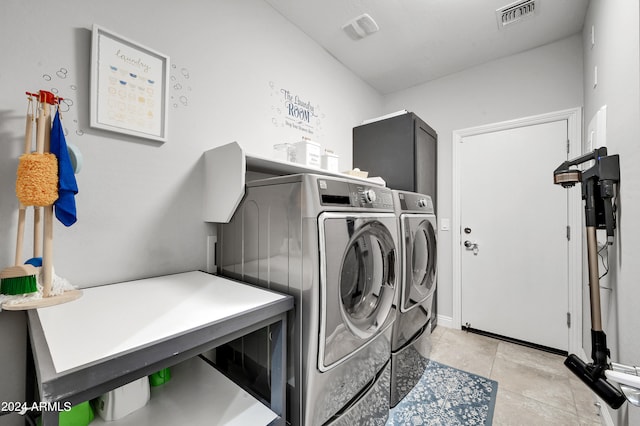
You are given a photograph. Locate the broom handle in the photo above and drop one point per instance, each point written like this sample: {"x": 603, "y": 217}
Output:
{"x": 28, "y": 135}
{"x": 37, "y": 211}
{"x": 20, "y": 237}
{"x": 37, "y": 234}
{"x": 47, "y": 255}
{"x": 43, "y": 114}
{"x": 47, "y": 133}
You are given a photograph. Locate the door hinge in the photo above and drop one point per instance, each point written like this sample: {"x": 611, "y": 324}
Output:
{"x": 568, "y": 233}
{"x": 569, "y": 319}
{"x": 568, "y": 146}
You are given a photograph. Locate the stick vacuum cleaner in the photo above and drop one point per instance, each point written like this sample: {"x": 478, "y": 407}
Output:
{"x": 597, "y": 191}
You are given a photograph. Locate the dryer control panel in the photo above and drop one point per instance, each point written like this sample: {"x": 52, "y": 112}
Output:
{"x": 350, "y": 194}
{"x": 410, "y": 201}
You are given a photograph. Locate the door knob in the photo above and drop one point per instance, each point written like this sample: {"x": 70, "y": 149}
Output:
{"x": 471, "y": 246}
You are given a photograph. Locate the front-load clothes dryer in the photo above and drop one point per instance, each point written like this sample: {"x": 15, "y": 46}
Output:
{"x": 411, "y": 335}
{"x": 332, "y": 243}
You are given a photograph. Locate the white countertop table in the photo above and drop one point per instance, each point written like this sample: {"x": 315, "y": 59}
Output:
{"x": 117, "y": 333}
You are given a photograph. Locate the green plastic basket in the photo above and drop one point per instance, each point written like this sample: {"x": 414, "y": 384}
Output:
{"x": 160, "y": 377}
{"x": 78, "y": 415}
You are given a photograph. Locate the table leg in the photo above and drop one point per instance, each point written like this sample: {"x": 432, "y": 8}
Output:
{"x": 279, "y": 370}
{"x": 50, "y": 418}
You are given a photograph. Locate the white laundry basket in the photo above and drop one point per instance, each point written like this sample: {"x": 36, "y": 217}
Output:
{"x": 124, "y": 400}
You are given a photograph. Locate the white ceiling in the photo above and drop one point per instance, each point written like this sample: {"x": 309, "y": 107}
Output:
{"x": 421, "y": 40}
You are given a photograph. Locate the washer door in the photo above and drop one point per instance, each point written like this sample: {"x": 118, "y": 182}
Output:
{"x": 357, "y": 280}
{"x": 419, "y": 260}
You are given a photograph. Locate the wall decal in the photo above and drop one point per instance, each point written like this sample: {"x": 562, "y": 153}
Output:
{"x": 68, "y": 93}
{"x": 294, "y": 111}
{"x": 179, "y": 87}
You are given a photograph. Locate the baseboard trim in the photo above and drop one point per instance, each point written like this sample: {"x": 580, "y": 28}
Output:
{"x": 444, "y": 321}
{"x": 517, "y": 341}
{"x": 605, "y": 414}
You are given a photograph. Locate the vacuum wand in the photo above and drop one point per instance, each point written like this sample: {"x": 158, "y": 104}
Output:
{"x": 597, "y": 191}
{"x": 593, "y": 375}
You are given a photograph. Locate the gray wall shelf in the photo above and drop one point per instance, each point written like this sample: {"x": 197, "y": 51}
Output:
{"x": 226, "y": 168}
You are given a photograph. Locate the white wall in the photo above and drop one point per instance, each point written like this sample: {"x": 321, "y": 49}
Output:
{"x": 139, "y": 206}
{"x": 616, "y": 53}
{"x": 541, "y": 80}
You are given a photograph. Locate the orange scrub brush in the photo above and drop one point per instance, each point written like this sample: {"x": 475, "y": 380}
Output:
{"x": 37, "y": 179}
{"x": 37, "y": 175}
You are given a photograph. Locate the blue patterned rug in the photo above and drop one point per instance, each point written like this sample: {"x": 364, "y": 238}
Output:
{"x": 447, "y": 396}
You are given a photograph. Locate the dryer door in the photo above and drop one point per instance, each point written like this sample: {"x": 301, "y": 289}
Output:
{"x": 419, "y": 259}
{"x": 357, "y": 279}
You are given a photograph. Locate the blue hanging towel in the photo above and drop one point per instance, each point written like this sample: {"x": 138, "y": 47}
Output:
{"x": 65, "y": 205}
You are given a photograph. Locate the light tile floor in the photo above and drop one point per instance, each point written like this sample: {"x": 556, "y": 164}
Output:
{"x": 534, "y": 387}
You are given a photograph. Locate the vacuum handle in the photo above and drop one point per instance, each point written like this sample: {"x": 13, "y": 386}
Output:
{"x": 594, "y": 279}
{"x": 606, "y": 192}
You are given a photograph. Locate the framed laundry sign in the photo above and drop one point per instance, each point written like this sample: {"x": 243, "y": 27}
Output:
{"x": 129, "y": 86}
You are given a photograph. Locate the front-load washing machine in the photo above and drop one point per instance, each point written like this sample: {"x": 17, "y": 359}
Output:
{"x": 411, "y": 335}
{"x": 331, "y": 243}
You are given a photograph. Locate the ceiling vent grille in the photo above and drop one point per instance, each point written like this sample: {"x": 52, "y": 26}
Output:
{"x": 360, "y": 27}
{"x": 516, "y": 12}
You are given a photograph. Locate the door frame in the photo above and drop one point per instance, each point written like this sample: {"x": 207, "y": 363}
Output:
{"x": 574, "y": 213}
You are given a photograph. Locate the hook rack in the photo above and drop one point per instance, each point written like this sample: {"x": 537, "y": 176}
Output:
{"x": 43, "y": 229}
{"x": 44, "y": 96}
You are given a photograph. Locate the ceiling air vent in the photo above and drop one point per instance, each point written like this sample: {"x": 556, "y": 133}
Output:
{"x": 360, "y": 27}
{"x": 516, "y": 12}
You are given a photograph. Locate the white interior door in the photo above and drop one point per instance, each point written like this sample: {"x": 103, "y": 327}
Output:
{"x": 514, "y": 274}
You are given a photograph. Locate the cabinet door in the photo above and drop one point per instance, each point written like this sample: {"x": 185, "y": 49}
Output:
{"x": 402, "y": 150}
{"x": 426, "y": 152}
{"x": 386, "y": 148}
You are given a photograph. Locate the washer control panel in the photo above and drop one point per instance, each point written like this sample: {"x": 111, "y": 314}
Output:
{"x": 350, "y": 194}
{"x": 373, "y": 197}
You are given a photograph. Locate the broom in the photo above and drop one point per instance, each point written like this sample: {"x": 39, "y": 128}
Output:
{"x": 21, "y": 279}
